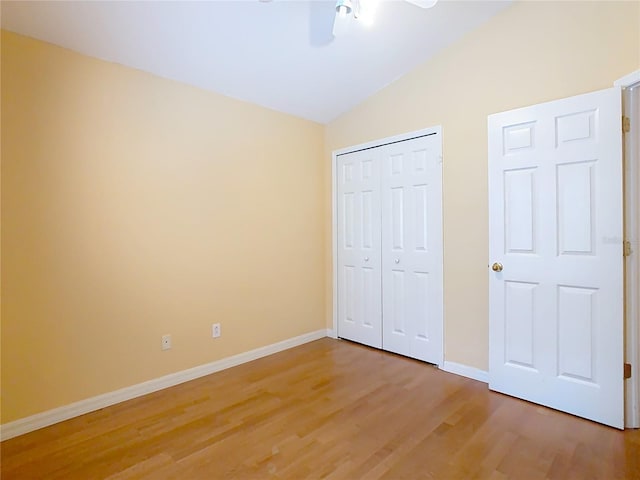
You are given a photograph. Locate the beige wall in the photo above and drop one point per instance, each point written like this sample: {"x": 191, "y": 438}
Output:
{"x": 134, "y": 206}
{"x": 532, "y": 52}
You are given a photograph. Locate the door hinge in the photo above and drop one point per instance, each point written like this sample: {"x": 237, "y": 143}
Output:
{"x": 626, "y": 124}
{"x": 626, "y": 248}
{"x": 627, "y": 370}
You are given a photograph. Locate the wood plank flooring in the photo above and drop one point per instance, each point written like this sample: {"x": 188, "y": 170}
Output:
{"x": 327, "y": 409}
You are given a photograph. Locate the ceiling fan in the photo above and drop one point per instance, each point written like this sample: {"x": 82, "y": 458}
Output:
{"x": 363, "y": 10}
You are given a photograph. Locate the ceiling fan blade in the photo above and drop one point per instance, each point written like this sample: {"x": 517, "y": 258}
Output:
{"x": 321, "y": 16}
{"x": 423, "y": 3}
{"x": 340, "y": 24}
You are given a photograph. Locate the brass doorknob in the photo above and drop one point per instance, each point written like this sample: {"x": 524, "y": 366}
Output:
{"x": 496, "y": 267}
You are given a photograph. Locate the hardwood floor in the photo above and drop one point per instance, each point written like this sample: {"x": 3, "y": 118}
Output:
{"x": 328, "y": 409}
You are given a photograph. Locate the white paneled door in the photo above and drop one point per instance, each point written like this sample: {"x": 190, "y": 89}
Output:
{"x": 556, "y": 262}
{"x": 389, "y": 246}
{"x": 359, "y": 253}
{"x": 411, "y": 178}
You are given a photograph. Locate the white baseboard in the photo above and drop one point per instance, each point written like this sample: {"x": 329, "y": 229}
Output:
{"x": 44, "y": 419}
{"x": 466, "y": 371}
{"x": 332, "y": 333}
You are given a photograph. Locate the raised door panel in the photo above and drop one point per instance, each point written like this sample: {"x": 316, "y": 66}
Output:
{"x": 576, "y": 335}
{"x": 520, "y": 311}
{"x": 575, "y": 210}
{"x": 519, "y": 207}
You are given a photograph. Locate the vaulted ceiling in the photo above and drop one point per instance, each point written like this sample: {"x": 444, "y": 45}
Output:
{"x": 279, "y": 54}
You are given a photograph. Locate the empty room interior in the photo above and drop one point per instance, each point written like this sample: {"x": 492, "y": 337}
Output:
{"x": 318, "y": 239}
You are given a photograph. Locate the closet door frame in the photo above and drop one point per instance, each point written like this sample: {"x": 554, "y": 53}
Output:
{"x": 334, "y": 214}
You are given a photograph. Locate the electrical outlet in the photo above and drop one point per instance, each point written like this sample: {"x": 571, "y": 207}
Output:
{"x": 166, "y": 342}
{"x": 215, "y": 330}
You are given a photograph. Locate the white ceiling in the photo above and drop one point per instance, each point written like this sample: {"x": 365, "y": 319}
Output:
{"x": 278, "y": 54}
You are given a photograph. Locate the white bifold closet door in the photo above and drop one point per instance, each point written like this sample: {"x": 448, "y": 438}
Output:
{"x": 389, "y": 210}
{"x": 411, "y": 179}
{"x": 359, "y": 275}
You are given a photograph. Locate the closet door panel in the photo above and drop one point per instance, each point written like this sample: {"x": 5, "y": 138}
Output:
{"x": 412, "y": 248}
{"x": 359, "y": 274}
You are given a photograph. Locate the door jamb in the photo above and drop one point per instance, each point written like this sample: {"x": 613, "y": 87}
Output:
{"x": 630, "y": 85}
